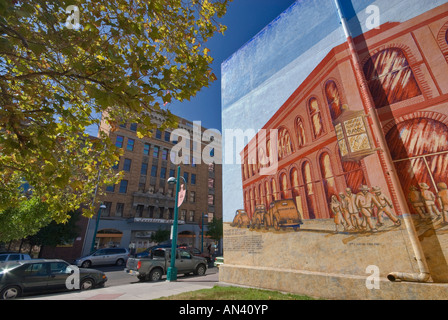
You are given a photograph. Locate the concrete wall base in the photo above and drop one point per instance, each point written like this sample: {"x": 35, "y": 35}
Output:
{"x": 329, "y": 286}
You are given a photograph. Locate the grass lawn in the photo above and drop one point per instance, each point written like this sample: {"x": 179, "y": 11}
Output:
{"x": 235, "y": 293}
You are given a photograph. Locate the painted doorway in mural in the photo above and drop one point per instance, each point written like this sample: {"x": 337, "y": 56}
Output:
{"x": 419, "y": 149}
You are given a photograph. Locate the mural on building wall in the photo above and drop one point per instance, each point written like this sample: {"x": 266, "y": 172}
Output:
{"x": 323, "y": 144}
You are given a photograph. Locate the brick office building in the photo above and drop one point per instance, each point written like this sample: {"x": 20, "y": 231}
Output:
{"x": 143, "y": 202}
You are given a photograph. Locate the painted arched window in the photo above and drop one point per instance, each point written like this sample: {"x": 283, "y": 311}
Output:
{"x": 295, "y": 190}
{"x": 300, "y": 131}
{"x": 268, "y": 194}
{"x": 316, "y": 117}
{"x": 333, "y": 99}
{"x": 252, "y": 202}
{"x": 283, "y": 186}
{"x": 284, "y": 143}
{"x": 328, "y": 178}
{"x": 262, "y": 194}
{"x": 309, "y": 189}
{"x": 274, "y": 190}
{"x": 390, "y": 77}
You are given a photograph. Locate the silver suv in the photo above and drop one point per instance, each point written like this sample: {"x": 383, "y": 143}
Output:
{"x": 117, "y": 256}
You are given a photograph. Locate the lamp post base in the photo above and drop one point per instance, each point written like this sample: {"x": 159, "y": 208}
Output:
{"x": 171, "y": 274}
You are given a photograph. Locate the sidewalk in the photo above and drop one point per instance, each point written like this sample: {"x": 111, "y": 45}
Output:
{"x": 138, "y": 290}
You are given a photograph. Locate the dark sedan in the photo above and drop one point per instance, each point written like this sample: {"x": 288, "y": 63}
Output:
{"x": 37, "y": 276}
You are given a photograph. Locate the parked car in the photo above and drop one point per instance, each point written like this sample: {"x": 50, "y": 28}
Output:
{"x": 258, "y": 217}
{"x": 196, "y": 252}
{"x": 241, "y": 219}
{"x": 154, "y": 268}
{"x": 37, "y": 276}
{"x": 13, "y": 256}
{"x": 283, "y": 214}
{"x": 117, "y": 256}
{"x": 218, "y": 261}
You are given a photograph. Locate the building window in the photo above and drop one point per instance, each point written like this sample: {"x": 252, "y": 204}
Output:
{"x": 316, "y": 118}
{"x": 183, "y": 215}
{"x": 144, "y": 169}
{"x": 130, "y": 145}
{"x": 193, "y": 178}
{"x": 211, "y": 200}
{"x": 192, "y": 196}
{"x": 119, "y": 209}
{"x": 110, "y": 188}
{"x": 211, "y": 167}
{"x": 163, "y": 173}
{"x": 333, "y": 99}
{"x": 123, "y": 125}
{"x": 127, "y": 165}
{"x": 300, "y": 130}
{"x": 119, "y": 142}
{"x": 155, "y": 152}
{"x": 167, "y": 136}
{"x": 106, "y": 211}
{"x": 141, "y": 187}
{"x": 165, "y": 154}
{"x": 191, "y": 216}
{"x": 172, "y": 174}
{"x": 133, "y": 127}
{"x": 186, "y": 177}
{"x": 139, "y": 210}
{"x": 123, "y": 186}
{"x": 158, "y": 134}
{"x": 154, "y": 171}
{"x": 146, "y": 149}
{"x": 390, "y": 77}
{"x": 284, "y": 145}
{"x": 211, "y": 183}
{"x": 115, "y": 166}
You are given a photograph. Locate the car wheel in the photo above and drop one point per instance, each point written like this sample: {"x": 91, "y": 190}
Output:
{"x": 87, "y": 284}
{"x": 119, "y": 262}
{"x": 200, "y": 270}
{"x": 10, "y": 293}
{"x": 156, "y": 274}
{"x": 86, "y": 264}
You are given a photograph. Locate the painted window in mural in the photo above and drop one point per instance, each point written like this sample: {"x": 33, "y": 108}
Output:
{"x": 316, "y": 117}
{"x": 328, "y": 178}
{"x": 274, "y": 190}
{"x": 284, "y": 192}
{"x": 419, "y": 149}
{"x": 284, "y": 143}
{"x": 333, "y": 99}
{"x": 268, "y": 193}
{"x": 309, "y": 189}
{"x": 390, "y": 77}
{"x": 262, "y": 194}
{"x": 300, "y": 131}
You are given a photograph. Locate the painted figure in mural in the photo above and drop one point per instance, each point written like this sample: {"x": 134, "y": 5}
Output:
{"x": 430, "y": 201}
{"x": 336, "y": 208}
{"x": 416, "y": 199}
{"x": 365, "y": 202}
{"x": 352, "y": 208}
{"x": 442, "y": 197}
{"x": 386, "y": 208}
{"x": 344, "y": 209}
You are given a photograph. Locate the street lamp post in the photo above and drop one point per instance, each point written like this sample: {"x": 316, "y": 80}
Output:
{"x": 202, "y": 231}
{"x": 102, "y": 207}
{"x": 171, "y": 274}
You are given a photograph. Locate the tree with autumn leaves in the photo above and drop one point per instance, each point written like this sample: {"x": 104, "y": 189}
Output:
{"x": 125, "y": 60}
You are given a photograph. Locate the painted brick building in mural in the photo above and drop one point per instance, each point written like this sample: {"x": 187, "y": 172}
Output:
{"x": 407, "y": 76}
{"x": 359, "y": 145}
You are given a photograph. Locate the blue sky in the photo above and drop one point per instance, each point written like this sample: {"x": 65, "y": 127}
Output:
{"x": 244, "y": 19}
